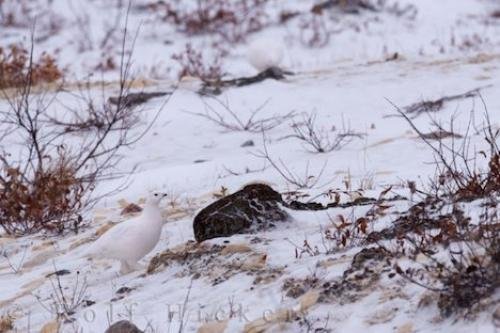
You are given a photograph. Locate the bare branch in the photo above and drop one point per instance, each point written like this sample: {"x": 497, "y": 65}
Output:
{"x": 320, "y": 140}
{"x": 306, "y": 181}
{"x": 231, "y": 121}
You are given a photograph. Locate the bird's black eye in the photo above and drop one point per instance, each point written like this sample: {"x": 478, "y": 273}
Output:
{"x": 156, "y": 194}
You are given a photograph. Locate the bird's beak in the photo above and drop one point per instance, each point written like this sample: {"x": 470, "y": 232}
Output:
{"x": 164, "y": 195}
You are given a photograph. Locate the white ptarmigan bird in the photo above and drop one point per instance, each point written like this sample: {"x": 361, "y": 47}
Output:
{"x": 131, "y": 240}
{"x": 265, "y": 53}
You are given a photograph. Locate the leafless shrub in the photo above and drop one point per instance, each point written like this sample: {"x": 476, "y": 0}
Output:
{"x": 82, "y": 22}
{"x": 458, "y": 176}
{"x": 16, "y": 13}
{"x": 343, "y": 232}
{"x": 231, "y": 121}
{"x": 41, "y": 191}
{"x": 328, "y": 17}
{"x": 469, "y": 274}
{"x": 314, "y": 31}
{"x": 305, "y": 249}
{"x": 318, "y": 139}
{"x": 22, "y": 14}
{"x": 340, "y": 233}
{"x": 194, "y": 63}
{"x": 15, "y": 266}
{"x": 53, "y": 180}
{"x": 470, "y": 41}
{"x": 64, "y": 301}
{"x": 230, "y": 20}
{"x": 97, "y": 115}
{"x": 111, "y": 35}
{"x": 246, "y": 171}
{"x": 107, "y": 63}
{"x": 307, "y": 180}
{"x": 16, "y": 62}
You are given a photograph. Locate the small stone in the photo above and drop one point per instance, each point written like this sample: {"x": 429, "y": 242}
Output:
{"x": 123, "y": 326}
{"x": 87, "y": 303}
{"x": 248, "y": 143}
{"x": 60, "y": 272}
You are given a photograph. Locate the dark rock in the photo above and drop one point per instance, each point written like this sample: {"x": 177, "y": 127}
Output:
{"x": 248, "y": 143}
{"x": 254, "y": 207}
{"x": 123, "y": 326}
{"x": 349, "y": 7}
{"x": 87, "y": 303}
{"x": 297, "y": 205}
{"x": 440, "y": 134}
{"x": 60, "y": 272}
{"x": 215, "y": 87}
{"x": 134, "y": 99}
{"x": 274, "y": 73}
{"x": 124, "y": 290}
{"x": 361, "y": 201}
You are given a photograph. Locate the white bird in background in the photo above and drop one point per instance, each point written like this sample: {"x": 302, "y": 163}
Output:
{"x": 131, "y": 240}
{"x": 264, "y": 53}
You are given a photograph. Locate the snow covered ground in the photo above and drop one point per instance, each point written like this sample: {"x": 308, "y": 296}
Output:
{"x": 448, "y": 48}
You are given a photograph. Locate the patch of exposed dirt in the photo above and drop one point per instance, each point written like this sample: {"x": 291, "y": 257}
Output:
{"x": 356, "y": 282}
{"x": 217, "y": 263}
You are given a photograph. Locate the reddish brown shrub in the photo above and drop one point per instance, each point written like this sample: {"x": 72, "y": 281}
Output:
{"x": 194, "y": 63}
{"x": 14, "y": 13}
{"x": 49, "y": 200}
{"x": 15, "y": 62}
{"x": 232, "y": 20}
{"x": 314, "y": 31}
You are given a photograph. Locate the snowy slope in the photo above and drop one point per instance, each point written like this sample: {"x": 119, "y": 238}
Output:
{"x": 191, "y": 158}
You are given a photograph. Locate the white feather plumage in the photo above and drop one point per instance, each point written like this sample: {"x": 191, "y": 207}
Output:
{"x": 131, "y": 240}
